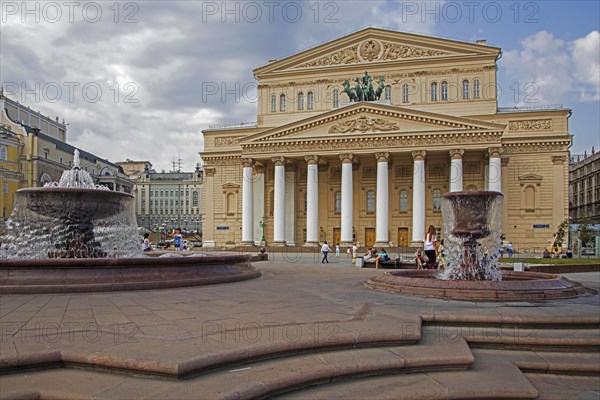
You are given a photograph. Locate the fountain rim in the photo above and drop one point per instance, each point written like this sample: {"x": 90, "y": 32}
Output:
{"x": 72, "y": 190}
{"x": 468, "y": 193}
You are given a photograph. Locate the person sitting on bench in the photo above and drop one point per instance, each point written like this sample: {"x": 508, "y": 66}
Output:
{"x": 420, "y": 259}
{"x": 383, "y": 256}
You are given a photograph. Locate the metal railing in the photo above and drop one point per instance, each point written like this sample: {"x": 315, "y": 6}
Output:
{"x": 232, "y": 126}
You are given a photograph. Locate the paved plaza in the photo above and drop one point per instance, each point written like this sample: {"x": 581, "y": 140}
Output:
{"x": 302, "y": 330}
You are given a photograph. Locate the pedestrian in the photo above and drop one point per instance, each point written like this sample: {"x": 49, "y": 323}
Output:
{"x": 501, "y": 250}
{"x": 354, "y": 250}
{"x": 325, "y": 249}
{"x": 510, "y": 249}
{"x": 146, "y": 246}
{"x": 337, "y": 250}
{"x": 178, "y": 240}
{"x": 430, "y": 245}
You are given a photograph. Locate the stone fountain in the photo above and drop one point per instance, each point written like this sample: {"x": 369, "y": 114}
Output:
{"x": 75, "y": 236}
{"x": 472, "y": 222}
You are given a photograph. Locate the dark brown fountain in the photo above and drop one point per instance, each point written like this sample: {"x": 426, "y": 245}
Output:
{"x": 472, "y": 222}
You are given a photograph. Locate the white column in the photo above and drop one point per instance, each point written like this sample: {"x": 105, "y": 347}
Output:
{"x": 495, "y": 170}
{"x": 208, "y": 211}
{"x": 290, "y": 205}
{"x": 347, "y": 193}
{"x": 247, "y": 208}
{"x": 279, "y": 200}
{"x": 381, "y": 211}
{"x": 418, "y": 206}
{"x": 456, "y": 170}
{"x": 312, "y": 201}
{"x": 259, "y": 201}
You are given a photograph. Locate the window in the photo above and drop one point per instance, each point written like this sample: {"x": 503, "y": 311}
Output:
{"x": 305, "y": 202}
{"x": 300, "y": 101}
{"x": 476, "y": 91}
{"x": 403, "y": 200}
{"x": 437, "y": 199}
{"x": 405, "y": 93}
{"x": 434, "y": 95}
{"x": 371, "y": 201}
{"x": 273, "y": 103}
{"x": 282, "y": 102}
{"x": 336, "y": 98}
{"x": 3, "y": 153}
{"x": 444, "y": 91}
{"x": 338, "y": 202}
{"x": 465, "y": 89}
{"x": 46, "y": 155}
{"x": 271, "y": 202}
{"x": 6, "y": 188}
{"x": 388, "y": 93}
{"x": 194, "y": 199}
{"x": 529, "y": 198}
{"x": 310, "y": 100}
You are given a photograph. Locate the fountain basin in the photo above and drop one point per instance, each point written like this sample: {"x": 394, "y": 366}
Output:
{"x": 514, "y": 286}
{"x": 115, "y": 274}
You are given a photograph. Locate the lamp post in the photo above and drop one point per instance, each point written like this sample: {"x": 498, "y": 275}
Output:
{"x": 262, "y": 224}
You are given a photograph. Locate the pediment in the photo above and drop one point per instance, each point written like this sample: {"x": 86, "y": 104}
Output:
{"x": 365, "y": 118}
{"x": 530, "y": 178}
{"x": 373, "y": 45}
{"x": 230, "y": 185}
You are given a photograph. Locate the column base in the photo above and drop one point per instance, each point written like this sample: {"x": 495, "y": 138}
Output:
{"x": 311, "y": 244}
{"x": 346, "y": 243}
{"x": 291, "y": 244}
{"x": 247, "y": 243}
{"x": 417, "y": 243}
{"x": 381, "y": 244}
{"x": 209, "y": 243}
{"x": 278, "y": 243}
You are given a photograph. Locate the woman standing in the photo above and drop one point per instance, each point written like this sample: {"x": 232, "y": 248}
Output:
{"x": 429, "y": 245}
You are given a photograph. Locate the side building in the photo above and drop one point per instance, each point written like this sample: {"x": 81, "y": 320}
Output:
{"x": 584, "y": 188}
{"x": 167, "y": 200}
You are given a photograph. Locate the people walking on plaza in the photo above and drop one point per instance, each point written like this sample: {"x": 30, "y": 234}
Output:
{"x": 178, "y": 240}
{"x": 325, "y": 249}
{"x": 442, "y": 264}
{"x": 430, "y": 245}
{"x": 146, "y": 246}
{"x": 337, "y": 250}
{"x": 509, "y": 248}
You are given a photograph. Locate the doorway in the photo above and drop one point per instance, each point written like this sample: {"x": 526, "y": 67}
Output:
{"x": 402, "y": 237}
{"x": 369, "y": 237}
{"x": 337, "y": 234}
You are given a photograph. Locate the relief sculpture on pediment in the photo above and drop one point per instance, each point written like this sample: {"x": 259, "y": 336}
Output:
{"x": 364, "y": 124}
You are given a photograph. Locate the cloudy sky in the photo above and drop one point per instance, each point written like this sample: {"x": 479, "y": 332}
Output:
{"x": 141, "y": 79}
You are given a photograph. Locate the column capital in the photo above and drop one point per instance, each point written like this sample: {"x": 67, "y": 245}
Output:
{"x": 495, "y": 152}
{"x": 419, "y": 154}
{"x": 247, "y": 162}
{"x": 259, "y": 167}
{"x": 558, "y": 159}
{"x": 347, "y": 158}
{"x": 210, "y": 171}
{"x": 383, "y": 156}
{"x": 312, "y": 159}
{"x": 456, "y": 154}
{"x": 279, "y": 161}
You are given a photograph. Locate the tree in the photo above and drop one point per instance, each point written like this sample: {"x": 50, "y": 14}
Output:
{"x": 561, "y": 233}
{"x": 585, "y": 233}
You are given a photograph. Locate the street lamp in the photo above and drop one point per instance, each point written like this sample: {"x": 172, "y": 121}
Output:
{"x": 262, "y": 224}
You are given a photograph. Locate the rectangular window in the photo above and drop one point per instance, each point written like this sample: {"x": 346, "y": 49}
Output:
{"x": 6, "y": 188}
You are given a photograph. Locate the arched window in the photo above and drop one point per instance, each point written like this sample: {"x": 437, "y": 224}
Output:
{"x": 444, "y": 91}
{"x": 300, "y": 101}
{"x": 273, "y": 103}
{"x": 3, "y": 153}
{"x": 194, "y": 199}
{"x": 403, "y": 200}
{"x": 371, "y": 201}
{"x": 476, "y": 90}
{"x": 388, "y": 93}
{"x": 337, "y": 199}
{"x": 437, "y": 200}
{"x": 310, "y": 101}
{"x": 282, "y": 102}
{"x": 45, "y": 178}
{"x": 230, "y": 203}
{"x": 465, "y": 89}
{"x": 529, "y": 198}
{"x": 271, "y": 202}
{"x": 336, "y": 98}
{"x": 434, "y": 94}
{"x": 305, "y": 202}
{"x": 405, "y": 93}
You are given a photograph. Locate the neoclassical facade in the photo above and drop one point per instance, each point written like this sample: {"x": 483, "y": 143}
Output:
{"x": 318, "y": 167}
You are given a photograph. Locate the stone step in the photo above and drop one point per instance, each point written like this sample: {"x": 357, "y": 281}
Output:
{"x": 250, "y": 380}
{"x": 519, "y": 337}
{"x": 487, "y": 378}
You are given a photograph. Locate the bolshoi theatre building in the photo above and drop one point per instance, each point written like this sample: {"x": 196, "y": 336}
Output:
{"x": 357, "y": 139}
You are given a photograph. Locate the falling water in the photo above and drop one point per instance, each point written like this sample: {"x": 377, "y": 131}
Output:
{"x": 73, "y": 218}
{"x": 472, "y": 229}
